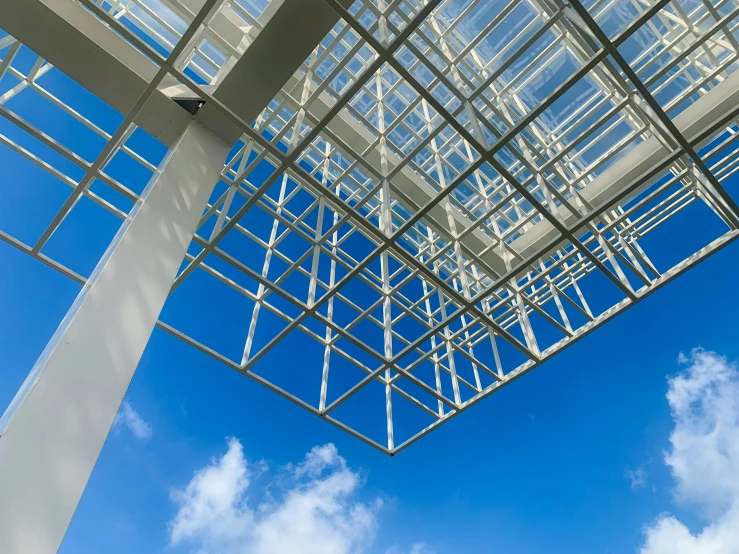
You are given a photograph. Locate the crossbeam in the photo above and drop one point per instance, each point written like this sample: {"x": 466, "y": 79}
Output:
{"x": 91, "y": 53}
{"x": 76, "y": 42}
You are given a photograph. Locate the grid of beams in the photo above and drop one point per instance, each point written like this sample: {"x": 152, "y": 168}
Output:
{"x": 225, "y": 35}
{"x": 446, "y": 194}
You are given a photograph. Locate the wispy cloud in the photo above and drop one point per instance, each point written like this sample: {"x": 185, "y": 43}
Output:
{"x": 314, "y": 511}
{"x": 417, "y": 548}
{"x": 130, "y": 419}
{"x": 703, "y": 458}
{"x": 638, "y": 477}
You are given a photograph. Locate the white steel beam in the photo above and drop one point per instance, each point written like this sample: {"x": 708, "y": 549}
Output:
{"x": 293, "y": 30}
{"x": 53, "y": 431}
{"x": 231, "y": 29}
{"x": 74, "y": 40}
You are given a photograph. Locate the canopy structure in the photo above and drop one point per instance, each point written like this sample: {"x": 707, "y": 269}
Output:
{"x": 425, "y": 198}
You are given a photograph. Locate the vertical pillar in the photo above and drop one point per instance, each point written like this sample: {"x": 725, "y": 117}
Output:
{"x": 53, "y": 431}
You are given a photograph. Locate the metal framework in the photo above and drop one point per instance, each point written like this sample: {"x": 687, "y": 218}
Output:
{"x": 441, "y": 194}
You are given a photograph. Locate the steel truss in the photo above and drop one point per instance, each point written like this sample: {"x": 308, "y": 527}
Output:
{"x": 443, "y": 196}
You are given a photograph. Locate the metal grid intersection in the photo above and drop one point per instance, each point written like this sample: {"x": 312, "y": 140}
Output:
{"x": 445, "y": 195}
{"x": 225, "y": 34}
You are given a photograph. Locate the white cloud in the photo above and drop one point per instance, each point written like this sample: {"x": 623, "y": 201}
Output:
{"x": 638, "y": 477}
{"x": 130, "y": 418}
{"x": 315, "y": 511}
{"x": 417, "y": 548}
{"x": 703, "y": 458}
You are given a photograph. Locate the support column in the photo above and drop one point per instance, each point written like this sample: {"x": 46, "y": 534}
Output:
{"x": 53, "y": 431}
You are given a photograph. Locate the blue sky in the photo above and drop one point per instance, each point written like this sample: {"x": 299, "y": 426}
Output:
{"x": 541, "y": 466}
{"x": 574, "y": 458}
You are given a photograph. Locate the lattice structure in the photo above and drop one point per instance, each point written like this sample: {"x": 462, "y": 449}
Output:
{"x": 443, "y": 196}
{"x": 213, "y": 49}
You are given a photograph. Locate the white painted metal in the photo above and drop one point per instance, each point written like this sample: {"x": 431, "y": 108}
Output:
{"x": 473, "y": 166}
{"x": 54, "y": 429}
{"x": 270, "y": 60}
{"x": 69, "y": 36}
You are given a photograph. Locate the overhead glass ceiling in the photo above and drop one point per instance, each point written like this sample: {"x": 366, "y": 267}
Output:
{"x": 443, "y": 195}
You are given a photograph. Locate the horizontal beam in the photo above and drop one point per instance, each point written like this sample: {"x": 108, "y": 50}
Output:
{"x": 74, "y": 40}
{"x": 294, "y": 29}
{"x": 228, "y": 26}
